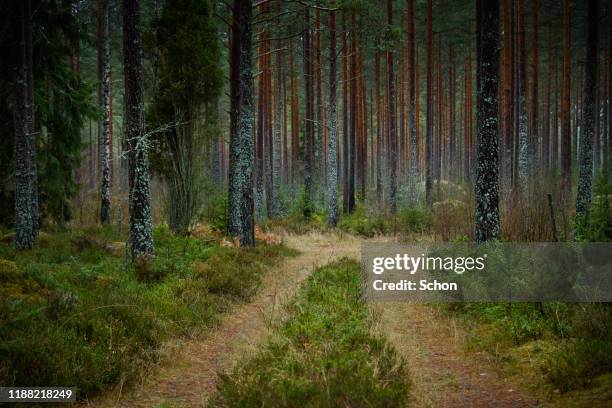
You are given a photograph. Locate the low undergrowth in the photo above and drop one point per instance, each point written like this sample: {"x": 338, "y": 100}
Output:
{"x": 74, "y": 312}
{"x": 568, "y": 345}
{"x": 363, "y": 221}
{"x": 324, "y": 354}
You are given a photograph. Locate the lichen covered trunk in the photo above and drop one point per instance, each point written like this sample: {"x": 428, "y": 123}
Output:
{"x": 332, "y": 174}
{"x": 141, "y": 225}
{"x": 106, "y": 121}
{"x": 275, "y": 207}
{"x": 523, "y": 153}
{"x": 24, "y": 236}
{"x": 487, "y": 172}
{"x": 308, "y": 126}
{"x": 589, "y": 115}
{"x": 240, "y": 195}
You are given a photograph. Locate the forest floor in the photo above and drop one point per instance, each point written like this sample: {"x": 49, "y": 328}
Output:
{"x": 443, "y": 375}
{"x": 187, "y": 372}
{"x": 442, "y": 372}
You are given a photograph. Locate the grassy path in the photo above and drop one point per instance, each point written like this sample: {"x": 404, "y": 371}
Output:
{"x": 442, "y": 375}
{"x": 187, "y": 374}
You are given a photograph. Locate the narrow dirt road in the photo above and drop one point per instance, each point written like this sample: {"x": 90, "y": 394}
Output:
{"x": 187, "y": 374}
{"x": 442, "y": 374}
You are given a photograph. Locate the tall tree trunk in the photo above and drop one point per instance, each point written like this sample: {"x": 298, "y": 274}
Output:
{"x": 24, "y": 216}
{"x": 353, "y": 113}
{"x": 240, "y": 194}
{"x": 554, "y": 143}
{"x": 547, "y": 107}
{"x": 417, "y": 113}
{"x": 308, "y": 133}
{"x": 452, "y": 154}
{"x": 295, "y": 118}
{"x": 597, "y": 128}
{"x": 429, "y": 97}
{"x": 363, "y": 147}
{"x": 332, "y": 174}
{"x": 141, "y": 224}
{"x": 607, "y": 154}
{"x": 487, "y": 180}
{"x": 469, "y": 94}
{"x": 345, "y": 127}
{"x": 285, "y": 152}
{"x": 589, "y": 114}
{"x": 392, "y": 118}
{"x": 566, "y": 143}
{"x": 276, "y": 142}
{"x": 439, "y": 105}
{"x": 319, "y": 158}
{"x": 105, "y": 141}
{"x": 379, "y": 127}
{"x": 261, "y": 127}
{"x": 269, "y": 133}
{"x": 535, "y": 60}
{"x": 29, "y": 44}
{"x": 523, "y": 159}
{"x": 508, "y": 102}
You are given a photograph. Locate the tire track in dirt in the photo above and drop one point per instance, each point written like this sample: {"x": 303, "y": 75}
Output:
{"x": 187, "y": 372}
{"x": 442, "y": 374}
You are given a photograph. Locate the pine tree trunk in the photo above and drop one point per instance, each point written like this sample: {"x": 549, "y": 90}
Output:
{"x": 523, "y": 159}
{"x": 547, "y": 107}
{"x": 533, "y": 131}
{"x": 379, "y": 127}
{"x": 332, "y": 174}
{"x": 508, "y": 103}
{"x": 392, "y": 118}
{"x": 240, "y": 194}
{"x": 566, "y": 144}
{"x": 352, "y": 143}
{"x": 261, "y": 129}
{"x": 24, "y": 217}
{"x": 554, "y": 143}
{"x": 106, "y": 121}
{"x": 295, "y": 118}
{"x": 452, "y": 154}
{"x": 276, "y": 142}
{"x": 589, "y": 114}
{"x": 439, "y": 95}
{"x": 607, "y": 153}
{"x": 319, "y": 158}
{"x": 345, "y": 127}
{"x": 32, "y": 134}
{"x": 429, "y": 130}
{"x": 363, "y": 149}
{"x": 141, "y": 225}
{"x": 308, "y": 133}
{"x": 487, "y": 180}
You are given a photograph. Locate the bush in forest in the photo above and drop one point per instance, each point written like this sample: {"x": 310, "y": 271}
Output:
{"x": 576, "y": 362}
{"x": 415, "y": 219}
{"x": 597, "y": 227}
{"x": 364, "y": 222}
